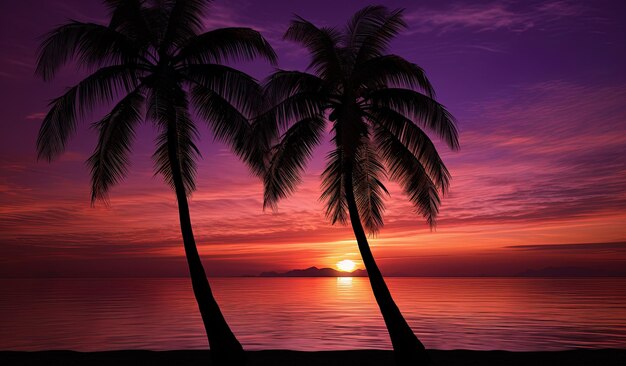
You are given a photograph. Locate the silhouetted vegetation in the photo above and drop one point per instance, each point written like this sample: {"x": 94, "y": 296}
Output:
{"x": 378, "y": 105}
{"x": 153, "y": 55}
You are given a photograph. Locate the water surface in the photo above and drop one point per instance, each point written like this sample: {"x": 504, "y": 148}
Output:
{"x": 514, "y": 314}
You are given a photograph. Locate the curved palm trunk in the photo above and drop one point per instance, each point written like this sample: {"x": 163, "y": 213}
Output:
{"x": 225, "y": 348}
{"x": 408, "y": 350}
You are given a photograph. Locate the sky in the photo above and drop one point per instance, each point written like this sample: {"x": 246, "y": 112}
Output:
{"x": 539, "y": 91}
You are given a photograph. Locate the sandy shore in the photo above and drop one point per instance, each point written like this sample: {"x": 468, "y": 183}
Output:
{"x": 330, "y": 358}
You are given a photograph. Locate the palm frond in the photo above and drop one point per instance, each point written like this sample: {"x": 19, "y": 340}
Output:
{"x": 129, "y": 18}
{"x": 416, "y": 140}
{"x": 109, "y": 162}
{"x": 406, "y": 169}
{"x": 360, "y": 27}
{"x": 100, "y": 87}
{"x": 176, "y": 148}
{"x": 333, "y": 190}
{"x": 392, "y": 71}
{"x": 156, "y": 15}
{"x": 322, "y": 44}
{"x": 92, "y": 44}
{"x": 296, "y": 107}
{"x": 228, "y": 124}
{"x": 266, "y": 127}
{"x": 164, "y": 96}
{"x": 367, "y": 173}
{"x": 236, "y": 87}
{"x": 420, "y": 108}
{"x": 257, "y": 147}
{"x": 226, "y": 121}
{"x": 284, "y": 84}
{"x": 292, "y": 96}
{"x": 184, "y": 21}
{"x": 289, "y": 157}
{"x": 385, "y": 28}
{"x": 225, "y": 45}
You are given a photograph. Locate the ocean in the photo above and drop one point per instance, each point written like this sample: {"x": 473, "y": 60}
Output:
{"x": 516, "y": 314}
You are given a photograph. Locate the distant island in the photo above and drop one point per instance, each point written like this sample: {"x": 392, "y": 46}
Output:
{"x": 316, "y": 272}
{"x": 543, "y": 272}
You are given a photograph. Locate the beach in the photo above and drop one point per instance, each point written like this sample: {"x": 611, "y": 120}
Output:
{"x": 606, "y": 357}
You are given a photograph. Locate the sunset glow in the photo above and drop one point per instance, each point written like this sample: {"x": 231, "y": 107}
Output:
{"x": 542, "y": 159}
{"x": 346, "y": 265}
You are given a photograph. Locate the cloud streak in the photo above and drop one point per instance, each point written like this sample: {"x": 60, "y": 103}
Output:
{"x": 617, "y": 247}
{"x": 493, "y": 16}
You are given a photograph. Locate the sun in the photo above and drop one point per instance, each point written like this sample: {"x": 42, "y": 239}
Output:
{"x": 346, "y": 265}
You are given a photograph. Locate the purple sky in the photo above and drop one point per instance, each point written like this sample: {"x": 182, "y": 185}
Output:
{"x": 539, "y": 90}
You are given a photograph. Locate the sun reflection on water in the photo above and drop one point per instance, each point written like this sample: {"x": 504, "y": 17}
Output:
{"x": 344, "y": 282}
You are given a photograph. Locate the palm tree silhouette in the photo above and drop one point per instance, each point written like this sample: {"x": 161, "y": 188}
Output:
{"x": 379, "y": 105}
{"x": 152, "y": 54}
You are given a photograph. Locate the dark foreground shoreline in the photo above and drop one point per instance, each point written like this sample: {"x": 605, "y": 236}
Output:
{"x": 607, "y": 357}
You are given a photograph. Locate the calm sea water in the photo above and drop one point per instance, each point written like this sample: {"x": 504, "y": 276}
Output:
{"x": 314, "y": 313}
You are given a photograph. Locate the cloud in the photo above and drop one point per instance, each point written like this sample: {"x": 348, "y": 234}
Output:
{"x": 494, "y": 16}
{"x": 232, "y": 15}
{"x": 38, "y": 116}
{"x": 616, "y": 247}
{"x": 546, "y": 151}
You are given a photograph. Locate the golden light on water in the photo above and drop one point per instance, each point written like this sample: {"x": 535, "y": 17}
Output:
{"x": 346, "y": 265}
{"x": 344, "y": 283}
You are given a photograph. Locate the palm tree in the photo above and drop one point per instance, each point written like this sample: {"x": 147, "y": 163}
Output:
{"x": 153, "y": 55}
{"x": 378, "y": 105}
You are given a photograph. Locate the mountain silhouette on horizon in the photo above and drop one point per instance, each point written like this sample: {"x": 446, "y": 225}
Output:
{"x": 315, "y": 272}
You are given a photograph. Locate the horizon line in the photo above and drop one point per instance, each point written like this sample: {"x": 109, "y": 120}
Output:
{"x": 290, "y": 277}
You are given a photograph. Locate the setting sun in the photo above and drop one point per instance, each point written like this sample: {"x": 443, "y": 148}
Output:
{"x": 346, "y": 265}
